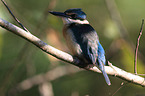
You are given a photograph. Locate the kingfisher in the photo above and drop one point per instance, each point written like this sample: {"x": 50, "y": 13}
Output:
{"x": 81, "y": 39}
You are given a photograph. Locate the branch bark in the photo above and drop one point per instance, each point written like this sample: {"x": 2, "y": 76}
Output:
{"x": 110, "y": 70}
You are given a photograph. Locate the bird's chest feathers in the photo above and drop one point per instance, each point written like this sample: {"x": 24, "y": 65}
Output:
{"x": 82, "y": 40}
{"x": 71, "y": 41}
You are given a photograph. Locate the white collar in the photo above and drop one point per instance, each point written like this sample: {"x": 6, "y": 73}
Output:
{"x": 70, "y": 21}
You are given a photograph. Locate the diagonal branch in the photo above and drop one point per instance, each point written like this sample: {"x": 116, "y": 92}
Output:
{"x": 14, "y": 16}
{"x": 111, "y": 70}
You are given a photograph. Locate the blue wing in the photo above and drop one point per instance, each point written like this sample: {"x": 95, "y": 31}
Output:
{"x": 101, "y": 53}
{"x": 101, "y": 61}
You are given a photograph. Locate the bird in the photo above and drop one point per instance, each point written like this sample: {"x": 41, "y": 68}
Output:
{"x": 82, "y": 39}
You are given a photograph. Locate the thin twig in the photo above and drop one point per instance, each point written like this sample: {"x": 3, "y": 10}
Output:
{"x": 14, "y": 16}
{"x": 137, "y": 45}
{"x": 122, "y": 85}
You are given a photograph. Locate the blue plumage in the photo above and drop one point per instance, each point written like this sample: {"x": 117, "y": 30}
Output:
{"x": 82, "y": 39}
{"x": 101, "y": 61}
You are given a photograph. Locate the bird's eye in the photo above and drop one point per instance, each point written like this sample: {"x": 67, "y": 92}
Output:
{"x": 73, "y": 16}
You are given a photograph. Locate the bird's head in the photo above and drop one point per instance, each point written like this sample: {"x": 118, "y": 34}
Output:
{"x": 75, "y": 15}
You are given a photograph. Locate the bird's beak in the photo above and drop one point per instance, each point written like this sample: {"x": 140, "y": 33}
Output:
{"x": 60, "y": 14}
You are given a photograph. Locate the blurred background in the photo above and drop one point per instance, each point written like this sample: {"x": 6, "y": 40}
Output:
{"x": 27, "y": 71}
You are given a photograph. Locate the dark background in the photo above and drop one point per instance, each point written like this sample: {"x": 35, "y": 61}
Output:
{"x": 117, "y": 23}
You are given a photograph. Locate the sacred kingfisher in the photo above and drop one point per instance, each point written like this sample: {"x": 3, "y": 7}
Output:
{"x": 82, "y": 40}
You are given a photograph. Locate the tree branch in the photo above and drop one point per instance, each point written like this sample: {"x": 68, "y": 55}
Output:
{"x": 14, "y": 16}
{"x": 111, "y": 70}
{"x": 137, "y": 45}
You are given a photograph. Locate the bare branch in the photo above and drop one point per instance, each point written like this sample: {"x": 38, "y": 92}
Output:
{"x": 137, "y": 45}
{"x": 36, "y": 41}
{"x": 14, "y": 16}
{"x": 111, "y": 70}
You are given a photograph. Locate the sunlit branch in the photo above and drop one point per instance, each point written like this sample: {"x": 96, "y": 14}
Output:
{"x": 111, "y": 70}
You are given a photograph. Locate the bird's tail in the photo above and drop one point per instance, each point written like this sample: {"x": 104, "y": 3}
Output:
{"x": 101, "y": 67}
{"x": 106, "y": 77}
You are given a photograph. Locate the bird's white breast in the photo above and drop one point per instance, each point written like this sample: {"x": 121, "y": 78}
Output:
{"x": 70, "y": 39}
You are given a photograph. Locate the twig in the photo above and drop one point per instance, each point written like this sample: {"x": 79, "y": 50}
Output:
{"x": 137, "y": 45}
{"x": 67, "y": 57}
{"x": 122, "y": 85}
{"x": 14, "y": 16}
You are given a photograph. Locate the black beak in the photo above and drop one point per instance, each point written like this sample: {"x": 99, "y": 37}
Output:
{"x": 60, "y": 14}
